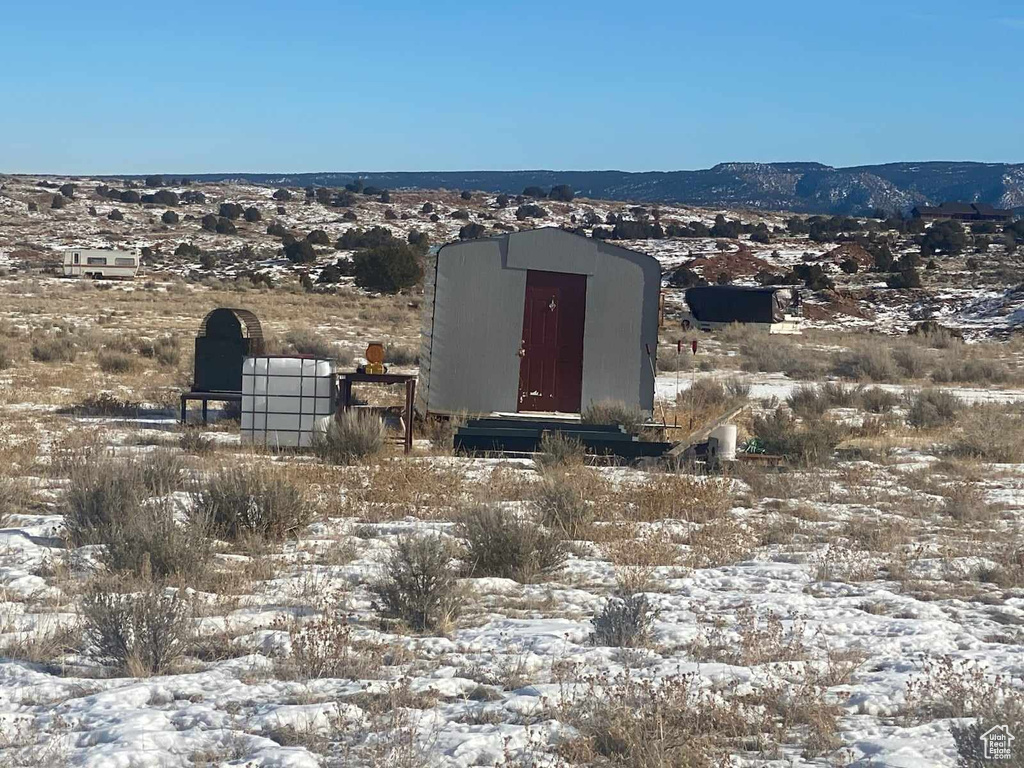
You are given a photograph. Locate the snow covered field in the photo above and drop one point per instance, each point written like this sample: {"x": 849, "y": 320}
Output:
{"x": 169, "y": 598}
{"x": 853, "y": 612}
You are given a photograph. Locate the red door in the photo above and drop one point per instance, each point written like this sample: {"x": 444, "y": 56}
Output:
{"x": 551, "y": 368}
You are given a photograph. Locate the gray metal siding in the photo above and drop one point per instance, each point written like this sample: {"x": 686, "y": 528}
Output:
{"x": 473, "y": 314}
{"x": 477, "y": 327}
{"x": 426, "y": 332}
{"x": 622, "y": 316}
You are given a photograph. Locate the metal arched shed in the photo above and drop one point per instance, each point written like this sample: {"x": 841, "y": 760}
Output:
{"x": 543, "y": 320}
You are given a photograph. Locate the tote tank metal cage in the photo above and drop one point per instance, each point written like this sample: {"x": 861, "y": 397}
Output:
{"x": 286, "y": 400}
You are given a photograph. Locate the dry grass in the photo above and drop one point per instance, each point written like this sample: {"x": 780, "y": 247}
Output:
{"x": 751, "y": 639}
{"x": 561, "y": 500}
{"x": 719, "y": 542}
{"x": 674, "y": 497}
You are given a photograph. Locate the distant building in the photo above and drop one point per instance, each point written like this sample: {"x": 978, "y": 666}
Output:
{"x": 963, "y": 212}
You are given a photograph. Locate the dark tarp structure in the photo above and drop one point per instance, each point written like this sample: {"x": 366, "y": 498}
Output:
{"x": 736, "y": 304}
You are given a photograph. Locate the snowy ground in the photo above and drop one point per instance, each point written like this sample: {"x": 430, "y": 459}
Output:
{"x": 807, "y": 591}
{"x": 854, "y": 613}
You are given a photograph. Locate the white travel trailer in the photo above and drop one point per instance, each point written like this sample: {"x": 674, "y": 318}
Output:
{"x": 97, "y": 263}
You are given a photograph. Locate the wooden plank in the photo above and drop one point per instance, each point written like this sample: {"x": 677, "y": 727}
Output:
{"x": 701, "y": 434}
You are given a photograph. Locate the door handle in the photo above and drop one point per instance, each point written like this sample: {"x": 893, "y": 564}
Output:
{"x": 522, "y": 351}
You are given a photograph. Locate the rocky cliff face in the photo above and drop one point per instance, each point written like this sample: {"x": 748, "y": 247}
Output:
{"x": 801, "y": 187}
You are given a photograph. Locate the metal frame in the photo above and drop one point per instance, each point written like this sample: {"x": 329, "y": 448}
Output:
{"x": 346, "y": 380}
{"x": 266, "y": 412}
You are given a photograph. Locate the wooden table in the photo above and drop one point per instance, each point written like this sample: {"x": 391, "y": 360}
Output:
{"x": 205, "y": 398}
{"x": 346, "y": 380}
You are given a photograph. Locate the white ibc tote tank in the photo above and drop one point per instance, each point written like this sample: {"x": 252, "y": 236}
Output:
{"x": 283, "y": 398}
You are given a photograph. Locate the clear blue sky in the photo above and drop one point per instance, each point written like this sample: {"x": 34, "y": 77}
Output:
{"x": 314, "y": 85}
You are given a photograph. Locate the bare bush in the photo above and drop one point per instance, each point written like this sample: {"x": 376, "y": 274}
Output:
{"x": 629, "y": 417}
{"x": 868, "y": 363}
{"x": 353, "y": 437}
{"x": 808, "y": 443}
{"x": 251, "y": 501}
{"x": 932, "y": 408}
{"x": 502, "y": 544}
{"x": 60, "y": 349}
{"x": 307, "y": 342}
{"x": 562, "y": 506}
{"x": 142, "y": 633}
{"x": 557, "y": 450}
{"x": 991, "y": 433}
{"x": 419, "y": 584}
{"x": 108, "y": 503}
{"x": 112, "y": 361}
{"x": 623, "y": 622}
{"x": 635, "y": 722}
{"x": 878, "y": 400}
{"x": 325, "y": 648}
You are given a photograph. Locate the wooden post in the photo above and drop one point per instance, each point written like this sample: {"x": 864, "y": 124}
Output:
{"x": 410, "y": 399}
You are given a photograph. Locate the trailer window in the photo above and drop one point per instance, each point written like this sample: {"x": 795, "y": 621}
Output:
{"x": 96, "y": 261}
{"x": 76, "y": 259}
{"x": 124, "y": 262}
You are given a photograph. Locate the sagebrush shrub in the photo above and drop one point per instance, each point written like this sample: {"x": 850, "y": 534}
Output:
{"x": 141, "y": 633}
{"x": 557, "y": 450}
{"x": 629, "y": 417}
{"x": 399, "y": 355}
{"x": 61, "y": 349}
{"x": 932, "y": 408}
{"x": 991, "y": 433}
{"x": 194, "y": 441}
{"x": 878, "y": 400}
{"x": 419, "y": 583}
{"x": 251, "y": 501}
{"x": 871, "y": 363}
{"x": 807, "y": 400}
{"x": 354, "y": 436}
{"x": 623, "y": 622}
{"x": 6, "y": 356}
{"x": 809, "y": 443}
{"x": 111, "y": 361}
{"x": 501, "y": 543}
{"x": 562, "y": 506}
{"x": 109, "y": 502}
{"x": 306, "y": 342}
